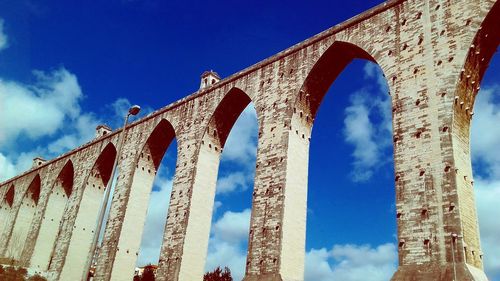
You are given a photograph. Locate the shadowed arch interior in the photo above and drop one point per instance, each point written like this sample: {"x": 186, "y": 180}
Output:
{"x": 159, "y": 140}
{"x": 481, "y": 52}
{"x": 9, "y": 196}
{"x": 33, "y": 191}
{"x": 104, "y": 163}
{"x": 225, "y": 115}
{"x": 324, "y": 72}
{"x": 66, "y": 178}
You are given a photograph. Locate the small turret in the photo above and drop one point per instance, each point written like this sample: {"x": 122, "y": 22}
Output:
{"x": 38, "y": 161}
{"x": 102, "y": 130}
{"x": 208, "y": 78}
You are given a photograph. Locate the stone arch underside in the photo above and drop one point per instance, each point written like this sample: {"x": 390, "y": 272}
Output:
{"x": 52, "y": 218}
{"x": 481, "y": 51}
{"x": 307, "y": 101}
{"x": 147, "y": 166}
{"x": 89, "y": 208}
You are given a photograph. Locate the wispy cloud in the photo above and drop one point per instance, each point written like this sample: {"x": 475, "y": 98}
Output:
{"x": 351, "y": 263}
{"x": 3, "y": 36}
{"x": 367, "y": 125}
{"x": 485, "y": 142}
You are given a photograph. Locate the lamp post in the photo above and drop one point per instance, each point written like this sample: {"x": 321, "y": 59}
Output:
{"x": 134, "y": 110}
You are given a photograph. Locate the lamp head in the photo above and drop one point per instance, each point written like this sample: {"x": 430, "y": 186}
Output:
{"x": 134, "y": 110}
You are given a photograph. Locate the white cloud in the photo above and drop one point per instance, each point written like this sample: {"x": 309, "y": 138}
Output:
{"x": 241, "y": 145}
{"x": 351, "y": 263}
{"x": 486, "y": 163}
{"x": 38, "y": 110}
{"x": 227, "y": 245}
{"x": 485, "y": 138}
{"x": 368, "y": 127}
{"x": 3, "y": 36}
{"x": 233, "y": 181}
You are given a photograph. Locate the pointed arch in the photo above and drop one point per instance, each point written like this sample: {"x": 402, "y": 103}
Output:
{"x": 480, "y": 53}
{"x": 66, "y": 177}
{"x": 324, "y": 72}
{"x": 104, "y": 164}
{"x": 158, "y": 142}
{"x": 195, "y": 244}
{"x": 9, "y": 196}
{"x": 58, "y": 199}
{"x": 33, "y": 191}
{"x": 88, "y": 211}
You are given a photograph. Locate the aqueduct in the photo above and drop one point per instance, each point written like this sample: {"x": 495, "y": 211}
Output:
{"x": 433, "y": 54}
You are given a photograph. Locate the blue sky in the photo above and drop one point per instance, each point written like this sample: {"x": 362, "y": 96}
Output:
{"x": 78, "y": 65}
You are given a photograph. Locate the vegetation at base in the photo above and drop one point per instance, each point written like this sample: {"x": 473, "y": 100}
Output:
{"x": 147, "y": 275}
{"x": 17, "y": 274}
{"x": 218, "y": 275}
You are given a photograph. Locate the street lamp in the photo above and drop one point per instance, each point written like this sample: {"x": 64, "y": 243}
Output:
{"x": 133, "y": 110}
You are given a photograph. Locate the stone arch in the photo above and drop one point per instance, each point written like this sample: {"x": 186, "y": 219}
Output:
{"x": 322, "y": 75}
{"x": 146, "y": 167}
{"x": 224, "y": 116}
{"x": 480, "y": 53}
{"x": 188, "y": 262}
{"x": 301, "y": 117}
{"x": 88, "y": 211}
{"x": 58, "y": 199}
{"x": 24, "y": 219}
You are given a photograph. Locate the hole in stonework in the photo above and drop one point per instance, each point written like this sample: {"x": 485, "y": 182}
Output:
{"x": 398, "y": 215}
{"x": 447, "y": 169}
{"x": 389, "y": 53}
{"x": 401, "y": 243}
{"x": 422, "y": 173}
{"x": 427, "y": 241}
{"x": 419, "y": 15}
{"x": 467, "y": 23}
{"x": 450, "y": 59}
{"x": 417, "y": 102}
{"x": 405, "y": 46}
{"x": 397, "y": 178}
{"x": 442, "y": 32}
{"x": 404, "y": 22}
{"x": 424, "y": 213}
{"x": 445, "y": 129}
{"x": 420, "y": 40}
{"x": 277, "y": 227}
{"x": 437, "y": 7}
{"x": 261, "y": 262}
{"x": 387, "y": 29}
{"x": 415, "y": 71}
{"x": 418, "y": 134}
{"x": 439, "y": 62}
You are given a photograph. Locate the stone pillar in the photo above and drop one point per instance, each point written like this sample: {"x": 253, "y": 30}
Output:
{"x": 436, "y": 215}
{"x": 187, "y": 230}
{"x": 276, "y": 249}
{"x": 127, "y": 213}
{"x": 48, "y": 181}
